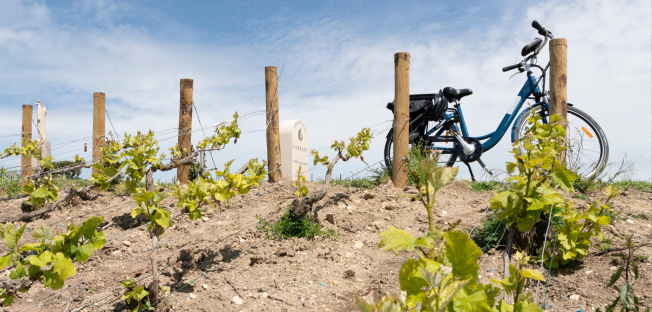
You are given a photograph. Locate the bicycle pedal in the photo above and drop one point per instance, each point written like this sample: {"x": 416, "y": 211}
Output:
{"x": 484, "y": 167}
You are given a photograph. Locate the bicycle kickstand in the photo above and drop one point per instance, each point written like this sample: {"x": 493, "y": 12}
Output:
{"x": 470, "y": 171}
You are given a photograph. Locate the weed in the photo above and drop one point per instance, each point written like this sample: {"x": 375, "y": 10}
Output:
{"x": 362, "y": 183}
{"x": 605, "y": 244}
{"x": 382, "y": 174}
{"x": 11, "y": 182}
{"x": 597, "y": 183}
{"x": 641, "y": 216}
{"x": 489, "y": 232}
{"x": 640, "y": 185}
{"x": 580, "y": 196}
{"x": 484, "y": 186}
{"x": 641, "y": 258}
{"x": 285, "y": 228}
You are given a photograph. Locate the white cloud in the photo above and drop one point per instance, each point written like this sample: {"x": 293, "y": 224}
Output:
{"x": 335, "y": 78}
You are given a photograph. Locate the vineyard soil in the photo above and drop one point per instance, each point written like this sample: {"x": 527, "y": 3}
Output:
{"x": 224, "y": 252}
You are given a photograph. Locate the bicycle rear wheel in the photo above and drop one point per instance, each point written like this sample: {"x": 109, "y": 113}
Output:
{"x": 447, "y": 158}
{"x": 588, "y": 150}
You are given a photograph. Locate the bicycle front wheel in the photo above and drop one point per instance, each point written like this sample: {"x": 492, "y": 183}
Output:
{"x": 446, "y": 159}
{"x": 588, "y": 150}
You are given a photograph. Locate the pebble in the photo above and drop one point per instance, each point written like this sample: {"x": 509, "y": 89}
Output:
{"x": 265, "y": 295}
{"x": 574, "y": 297}
{"x": 117, "y": 252}
{"x": 336, "y": 283}
{"x": 630, "y": 221}
{"x": 127, "y": 243}
{"x": 444, "y": 212}
{"x": 204, "y": 286}
{"x": 548, "y": 305}
{"x": 192, "y": 296}
{"x": 205, "y": 219}
{"x": 358, "y": 245}
{"x": 236, "y": 300}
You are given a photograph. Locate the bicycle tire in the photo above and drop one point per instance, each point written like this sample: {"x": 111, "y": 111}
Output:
{"x": 599, "y": 163}
{"x": 388, "y": 152}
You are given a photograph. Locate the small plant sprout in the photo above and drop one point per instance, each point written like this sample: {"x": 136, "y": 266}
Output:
{"x": 627, "y": 299}
{"x": 302, "y": 190}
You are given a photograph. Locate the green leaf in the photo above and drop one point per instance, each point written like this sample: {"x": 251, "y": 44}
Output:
{"x": 43, "y": 234}
{"x": 63, "y": 266}
{"x": 396, "y": 239}
{"x": 84, "y": 251}
{"x": 7, "y": 299}
{"x": 88, "y": 228}
{"x": 462, "y": 254}
{"x": 98, "y": 240}
{"x": 6, "y": 260}
{"x": 524, "y": 306}
{"x": 635, "y": 269}
{"x": 31, "y": 246}
{"x": 476, "y": 302}
{"x": 18, "y": 273}
{"x": 42, "y": 260}
{"x": 563, "y": 178}
{"x": 411, "y": 280}
{"x": 532, "y": 274}
{"x": 33, "y": 270}
{"x": 161, "y": 217}
{"x": 615, "y": 276}
{"x": 194, "y": 214}
{"x": 12, "y": 236}
{"x": 52, "y": 280}
{"x": 427, "y": 242}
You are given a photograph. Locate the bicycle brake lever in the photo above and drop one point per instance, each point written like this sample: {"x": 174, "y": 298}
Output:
{"x": 520, "y": 71}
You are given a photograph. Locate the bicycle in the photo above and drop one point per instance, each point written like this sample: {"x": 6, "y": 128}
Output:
{"x": 431, "y": 116}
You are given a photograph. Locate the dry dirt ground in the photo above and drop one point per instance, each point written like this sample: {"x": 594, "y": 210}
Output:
{"x": 209, "y": 262}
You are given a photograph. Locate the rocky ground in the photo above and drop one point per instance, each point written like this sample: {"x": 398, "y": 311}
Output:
{"x": 223, "y": 263}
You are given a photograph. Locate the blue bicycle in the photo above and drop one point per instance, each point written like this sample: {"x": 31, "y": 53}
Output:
{"x": 435, "y": 125}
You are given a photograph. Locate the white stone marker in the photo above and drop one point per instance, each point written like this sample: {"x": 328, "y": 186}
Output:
{"x": 294, "y": 149}
{"x": 46, "y": 147}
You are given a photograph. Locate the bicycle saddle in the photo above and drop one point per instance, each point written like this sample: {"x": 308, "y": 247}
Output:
{"x": 452, "y": 93}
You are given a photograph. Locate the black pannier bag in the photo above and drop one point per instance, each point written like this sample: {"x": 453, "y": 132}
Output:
{"x": 434, "y": 106}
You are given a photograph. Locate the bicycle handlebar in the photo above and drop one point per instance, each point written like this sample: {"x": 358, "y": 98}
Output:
{"x": 510, "y": 67}
{"x": 542, "y": 30}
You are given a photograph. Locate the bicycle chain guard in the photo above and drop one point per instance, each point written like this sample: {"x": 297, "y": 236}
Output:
{"x": 476, "y": 153}
{"x": 460, "y": 152}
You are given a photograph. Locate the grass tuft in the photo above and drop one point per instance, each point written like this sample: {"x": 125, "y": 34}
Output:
{"x": 484, "y": 186}
{"x": 285, "y": 228}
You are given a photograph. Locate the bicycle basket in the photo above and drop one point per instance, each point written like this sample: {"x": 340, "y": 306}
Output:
{"x": 432, "y": 104}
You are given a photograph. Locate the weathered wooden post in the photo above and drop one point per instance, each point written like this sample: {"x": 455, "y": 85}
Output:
{"x": 26, "y": 130}
{"x": 99, "y": 99}
{"x": 185, "y": 126}
{"x": 272, "y": 123}
{"x": 558, "y": 82}
{"x": 401, "y": 114}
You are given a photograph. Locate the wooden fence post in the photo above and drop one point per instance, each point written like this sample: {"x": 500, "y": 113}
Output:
{"x": 99, "y": 100}
{"x": 273, "y": 136}
{"x": 558, "y": 82}
{"x": 185, "y": 125}
{"x": 401, "y": 113}
{"x": 26, "y": 130}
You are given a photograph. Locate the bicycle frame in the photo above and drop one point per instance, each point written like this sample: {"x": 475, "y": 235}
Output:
{"x": 529, "y": 88}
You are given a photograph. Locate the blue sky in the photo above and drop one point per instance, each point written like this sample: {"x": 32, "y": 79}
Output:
{"x": 337, "y": 60}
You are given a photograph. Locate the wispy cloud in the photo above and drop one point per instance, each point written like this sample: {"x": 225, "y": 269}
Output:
{"x": 337, "y": 77}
